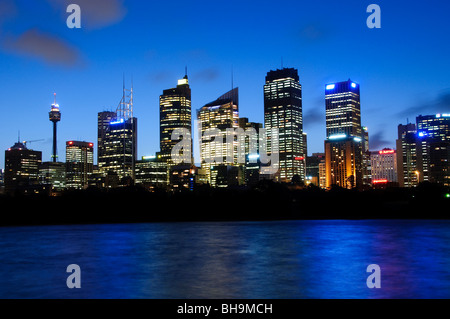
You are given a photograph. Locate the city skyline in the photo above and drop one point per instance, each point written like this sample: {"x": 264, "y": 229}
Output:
{"x": 395, "y": 85}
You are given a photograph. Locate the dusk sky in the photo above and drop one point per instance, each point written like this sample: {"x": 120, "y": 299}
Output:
{"x": 403, "y": 68}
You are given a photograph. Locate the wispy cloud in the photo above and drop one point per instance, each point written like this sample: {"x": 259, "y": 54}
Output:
{"x": 312, "y": 117}
{"x": 441, "y": 104}
{"x": 377, "y": 141}
{"x": 8, "y": 10}
{"x": 45, "y": 47}
{"x": 206, "y": 75}
{"x": 313, "y": 32}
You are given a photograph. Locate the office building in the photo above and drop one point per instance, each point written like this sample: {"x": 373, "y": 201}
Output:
{"x": 174, "y": 113}
{"x": 79, "y": 164}
{"x": 182, "y": 177}
{"x": 343, "y": 109}
{"x": 283, "y": 120}
{"x": 366, "y": 165}
{"x": 344, "y": 145}
{"x": 433, "y": 148}
{"x": 343, "y": 162}
{"x": 118, "y": 150}
{"x": 151, "y": 173}
{"x": 406, "y": 144}
{"x": 313, "y": 168}
{"x": 384, "y": 166}
{"x": 53, "y": 174}
{"x": 103, "y": 120}
{"x": 252, "y": 157}
{"x": 222, "y": 117}
{"x": 22, "y": 169}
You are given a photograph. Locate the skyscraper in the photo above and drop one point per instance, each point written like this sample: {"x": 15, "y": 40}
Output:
{"x": 220, "y": 115}
{"x": 103, "y": 120}
{"x": 79, "y": 164}
{"x": 343, "y": 109}
{"x": 54, "y": 174}
{"x": 151, "y": 172}
{"x": 118, "y": 139}
{"x": 283, "y": 112}
{"x": 433, "y": 148}
{"x": 407, "y": 169}
{"x": 344, "y": 145}
{"x": 384, "y": 166}
{"x": 343, "y": 162}
{"x": 175, "y": 112}
{"x": 21, "y": 168}
{"x": 119, "y": 148}
{"x": 252, "y": 167}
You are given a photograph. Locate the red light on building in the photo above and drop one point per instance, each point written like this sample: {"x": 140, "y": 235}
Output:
{"x": 379, "y": 181}
{"x": 300, "y": 158}
{"x": 386, "y": 152}
{"x": 70, "y": 143}
{"x": 91, "y": 144}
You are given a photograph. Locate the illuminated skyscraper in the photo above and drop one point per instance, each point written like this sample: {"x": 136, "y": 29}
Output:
{"x": 344, "y": 146}
{"x": 151, "y": 172}
{"x": 343, "y": 109}
{"x": 21, "y": 168}
{"x": 120, "y": 145}
{"x": 103, "y": 120}
{"x": 384, "y": 166}
{"x": 283, "y": 111}
{"x": 118, "y": 142}
{"x": 79, "y": 164}
{"x": 407, "y": 169}
{"x": 343, "y": 162}
{"x": 220, "y": 115}
{"x": 433, "y": 148}
{"x": 175, "y": 112}
{"x": 54, "y": 174}
{"x": 252, "y": 167}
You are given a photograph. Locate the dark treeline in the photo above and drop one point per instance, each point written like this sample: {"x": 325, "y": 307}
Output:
{"x": 266, "y": 201}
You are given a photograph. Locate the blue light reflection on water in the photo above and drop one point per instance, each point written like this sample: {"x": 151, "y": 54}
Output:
{"x": 287, "y": 259}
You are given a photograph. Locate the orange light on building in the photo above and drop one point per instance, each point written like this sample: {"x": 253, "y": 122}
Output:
{"x": 386, "y": 152}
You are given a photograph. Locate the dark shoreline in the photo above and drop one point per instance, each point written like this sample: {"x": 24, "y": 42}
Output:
{"x": 268, "y": 201}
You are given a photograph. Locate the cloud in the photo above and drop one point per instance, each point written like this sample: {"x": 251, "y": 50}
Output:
{"x": 313, "y": 116}
{"x": 206, "y": 75}
{"x": 441, "y": 104}
{"x": 8, "y": 10}
{"x": 48, "y": 48}
{"x": 95, "y": 14}
{"x": 160, "y": 77}
{"x": 313, "y": 32}
{"x": 377, "y": 141}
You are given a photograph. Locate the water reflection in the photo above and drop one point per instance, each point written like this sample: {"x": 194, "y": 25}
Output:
{"x": 289, "y": 259}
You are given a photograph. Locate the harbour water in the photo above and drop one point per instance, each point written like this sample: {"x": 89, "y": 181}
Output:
{"x": 275, "y": 259}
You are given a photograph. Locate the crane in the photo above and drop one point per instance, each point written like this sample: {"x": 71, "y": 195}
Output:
{"x": 25, "y": 142}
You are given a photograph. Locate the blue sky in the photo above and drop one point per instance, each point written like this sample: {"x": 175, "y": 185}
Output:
{"x": 403, "y": 68}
